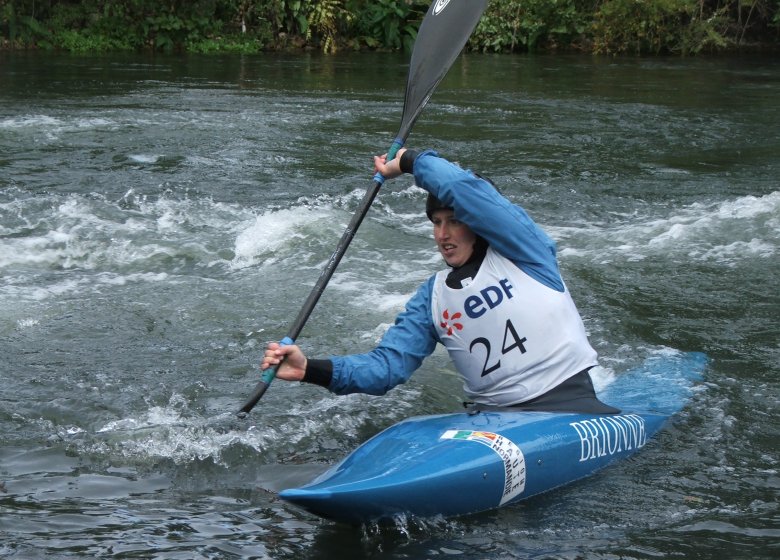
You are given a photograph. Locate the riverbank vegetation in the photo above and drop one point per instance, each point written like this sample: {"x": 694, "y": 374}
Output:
{"x": 637, "y": 27}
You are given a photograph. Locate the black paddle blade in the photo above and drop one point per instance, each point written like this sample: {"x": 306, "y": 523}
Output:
{"x": 442, "y": 35}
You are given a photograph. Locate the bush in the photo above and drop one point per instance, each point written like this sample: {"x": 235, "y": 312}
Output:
{"x": 602, "y": 26}
{"x": 660, "y": 26}
{"x": 80, "y": 42}
{"x": 387, "y": 24}
{"x": 512, "y": 25}
{"x": 240, "y": 44}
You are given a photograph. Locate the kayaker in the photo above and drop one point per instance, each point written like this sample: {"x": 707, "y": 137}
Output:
{"x": 502, "y": 309}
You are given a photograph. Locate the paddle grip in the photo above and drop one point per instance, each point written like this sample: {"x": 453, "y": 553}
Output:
{"x": 265, "y": 380}
{"x": 270, "y": 373}
{"x": 397, "y": 144}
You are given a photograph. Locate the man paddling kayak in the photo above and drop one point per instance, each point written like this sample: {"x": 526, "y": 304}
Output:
{"x": 502, "y": 309}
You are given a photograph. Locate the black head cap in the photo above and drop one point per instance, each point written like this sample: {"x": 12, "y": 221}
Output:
{"x": 432, "y": 204}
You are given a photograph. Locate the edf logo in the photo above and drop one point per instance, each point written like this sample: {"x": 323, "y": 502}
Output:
{"x": 488, "y": 298}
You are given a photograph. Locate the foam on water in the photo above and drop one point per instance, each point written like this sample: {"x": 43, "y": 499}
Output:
{"x": 725, "y": 232}
{"x": 174, "y": 431}
{"x": 53, "y": 127}
{"x": 364, "y": 294}
{"x": 145, "y": 158}
{"x": 29, "y": 121}
{"x": 126, "y": 236}
{"x": 259, "y": 240}
{"x": 91, "y": 232}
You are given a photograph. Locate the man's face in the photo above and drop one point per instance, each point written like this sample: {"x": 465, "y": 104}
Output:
{"x": 454, "y": 239}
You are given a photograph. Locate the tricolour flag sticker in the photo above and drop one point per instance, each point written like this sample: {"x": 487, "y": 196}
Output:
{"x": 510, "y": 454}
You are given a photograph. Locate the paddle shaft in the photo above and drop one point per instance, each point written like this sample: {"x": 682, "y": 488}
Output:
{"x": 442, "y": 35}
{"x": 314, "y": 296}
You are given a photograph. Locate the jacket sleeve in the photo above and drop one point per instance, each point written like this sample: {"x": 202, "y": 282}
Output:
{"x": 505, "y": 226}
{"x": 401, "y": 351}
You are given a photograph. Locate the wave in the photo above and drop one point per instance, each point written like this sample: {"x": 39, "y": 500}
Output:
{"x": 51, "y": 128}
{"x": 259, "y": 240}
{"x": 175, "y": 432}
{"x": 93, "y": 233}
{"x": 52, "y": 244}
{"x": 725, "y": 232}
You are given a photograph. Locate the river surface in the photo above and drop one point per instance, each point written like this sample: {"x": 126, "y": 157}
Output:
{"x": 161, "y": 219}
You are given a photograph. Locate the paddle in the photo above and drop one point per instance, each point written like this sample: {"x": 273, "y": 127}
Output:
{"x": 442, "y": 34}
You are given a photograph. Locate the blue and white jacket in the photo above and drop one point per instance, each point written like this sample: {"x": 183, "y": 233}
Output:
{"x": 510, "y": 233}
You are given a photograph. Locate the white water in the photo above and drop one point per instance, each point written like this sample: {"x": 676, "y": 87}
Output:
{"x": 156, "y": 233}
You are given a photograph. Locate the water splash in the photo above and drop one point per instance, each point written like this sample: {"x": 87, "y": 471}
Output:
{"x": 726, "y": 232}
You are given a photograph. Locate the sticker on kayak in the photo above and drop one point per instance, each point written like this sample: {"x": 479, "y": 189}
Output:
{"x": 510, "y": 454}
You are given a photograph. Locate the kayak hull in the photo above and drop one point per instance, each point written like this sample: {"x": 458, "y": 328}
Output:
{"x": 456, "y": 464}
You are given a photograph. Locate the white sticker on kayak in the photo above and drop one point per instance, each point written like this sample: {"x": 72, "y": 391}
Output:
{"x": 511, "y": 455}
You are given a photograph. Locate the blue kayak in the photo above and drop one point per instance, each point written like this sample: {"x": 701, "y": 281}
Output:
{"x": 456, "y": 464}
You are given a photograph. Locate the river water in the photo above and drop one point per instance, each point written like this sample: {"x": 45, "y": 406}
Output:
{"x": 161, "y": 219}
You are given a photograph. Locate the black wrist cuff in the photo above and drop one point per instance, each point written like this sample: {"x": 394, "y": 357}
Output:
{"x": 319, "y": 372}
{"x": 407, "y": 160}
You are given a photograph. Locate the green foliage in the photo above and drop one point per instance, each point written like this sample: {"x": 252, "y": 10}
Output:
{"x": 513, "y": 25}
{"x": 388, "y": 24}
{"x": 288, "y": 17}
{"x": 324, "y": 18}
{"x": 79, "y": 42}
{"x": 31, "y": 30}
{"x": 661, "y": 26}
{"x": 602, "y": 26}
{"x": 164, "y": 26}
{"x": 239, "y": 44}
{"x": 20, "y": 26}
